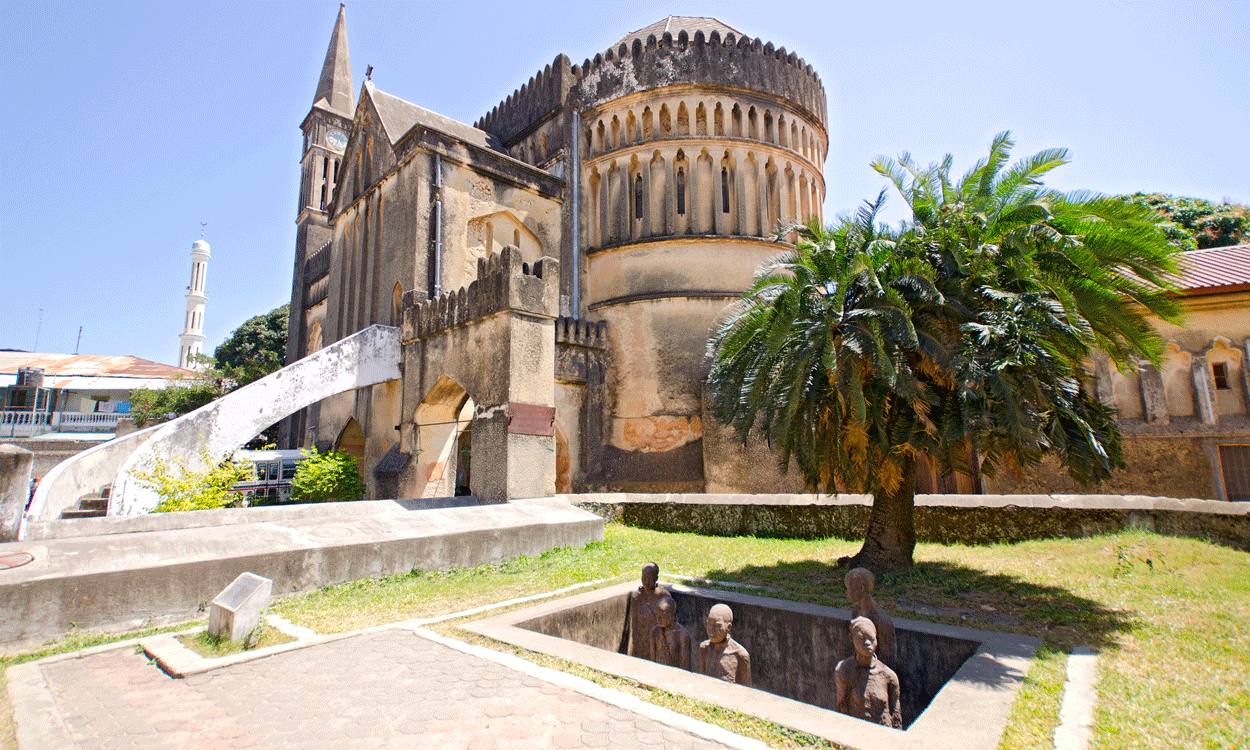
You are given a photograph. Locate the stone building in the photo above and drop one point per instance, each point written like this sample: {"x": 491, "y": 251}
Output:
{"x": 556, "y": 266}
{"x": 1186, "y": 423}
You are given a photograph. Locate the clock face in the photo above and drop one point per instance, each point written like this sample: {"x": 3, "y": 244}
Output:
{"x": 337, "y": 139}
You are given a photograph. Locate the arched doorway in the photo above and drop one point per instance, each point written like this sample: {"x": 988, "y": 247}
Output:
{"x": 443, "y": 438}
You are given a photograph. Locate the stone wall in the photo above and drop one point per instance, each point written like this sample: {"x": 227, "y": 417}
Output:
{"x": 1177, "y": 464}
{"x": 945, "y": 519}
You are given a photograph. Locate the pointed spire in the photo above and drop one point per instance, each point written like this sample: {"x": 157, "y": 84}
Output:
{"x": 335, "y": 86}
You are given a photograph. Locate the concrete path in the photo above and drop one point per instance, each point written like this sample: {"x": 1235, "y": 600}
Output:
{"x": 395, "y": 687}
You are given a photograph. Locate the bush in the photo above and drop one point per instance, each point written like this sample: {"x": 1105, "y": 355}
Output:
{"x": 181, "y": 488}
{"x": 327, "y": 476}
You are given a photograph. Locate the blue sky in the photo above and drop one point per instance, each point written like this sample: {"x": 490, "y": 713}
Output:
{"x": 126, "y": 125}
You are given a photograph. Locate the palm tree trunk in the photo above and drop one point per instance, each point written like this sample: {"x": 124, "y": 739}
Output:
{"x": 891, "y": 536}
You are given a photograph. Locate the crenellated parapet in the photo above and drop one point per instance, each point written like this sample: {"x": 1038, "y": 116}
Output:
{"x": 740, "y": 62}
{"x": 505, "y": 283}
{"x": 545, "y": 91}
{"x": 577, "y": 332}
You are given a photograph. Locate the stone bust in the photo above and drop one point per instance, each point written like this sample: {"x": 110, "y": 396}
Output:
{"x": 670, "y": 643}
{"x": 859, "y": 585}
{"x": 721, "y": 656}
{"x": 642, "y": 615}
{"x": 866, "y": 688}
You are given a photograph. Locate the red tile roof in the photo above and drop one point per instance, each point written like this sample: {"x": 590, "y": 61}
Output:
{"x": 1215, "y": 269}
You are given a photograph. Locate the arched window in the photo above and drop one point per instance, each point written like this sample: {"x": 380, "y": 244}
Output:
{"x": 637, "y": 196}
{"x": 724, "y": 190}
{"x": 681, "y": 191}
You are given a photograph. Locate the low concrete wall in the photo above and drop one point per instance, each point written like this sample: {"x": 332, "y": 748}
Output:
{"x": 964, "y": 519}
{"x": 15, "y": 466}
{"x": 793, "y": 646}
{"x": 968, "y": 713}
{"x": 121, "y": 580}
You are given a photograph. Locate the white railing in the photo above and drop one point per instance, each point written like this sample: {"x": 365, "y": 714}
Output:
{"x": 25, "y": 423}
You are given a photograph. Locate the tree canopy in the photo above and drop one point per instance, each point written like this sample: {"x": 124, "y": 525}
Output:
{"x": 256, "y": 348}
{"x": 963, "y": 335}
{"x": 1199, "y": 223}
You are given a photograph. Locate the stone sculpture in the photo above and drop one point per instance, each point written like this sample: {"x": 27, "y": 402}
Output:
{"x": 721, "y": 656}
{"x": 859, "y": 583}
{"x": 866, "y": 688}
{"x": 642, "y": 606}
{"x": 670, "y": 643}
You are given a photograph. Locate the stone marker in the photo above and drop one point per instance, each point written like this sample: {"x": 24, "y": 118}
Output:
{"x": 721, "y": 656}
{"x": 15, "y": 469}
{"x": 642, "y": 604}
{"x": 867, "y": 689}
{"x": 859, "y": 583}
{"x": 670, "y": 643}
{"x": 235, "y": 612}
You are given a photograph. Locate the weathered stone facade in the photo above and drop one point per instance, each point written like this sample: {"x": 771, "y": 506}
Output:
{"x": 640, "y": 190}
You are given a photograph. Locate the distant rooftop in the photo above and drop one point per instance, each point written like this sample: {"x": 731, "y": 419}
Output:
{"x": 1215, "y": 269}
{"x": 74, "y": 371}
{"x": 675, "y": 25}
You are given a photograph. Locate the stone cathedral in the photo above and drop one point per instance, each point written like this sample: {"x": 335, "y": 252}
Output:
{"x": 556, "y": 266}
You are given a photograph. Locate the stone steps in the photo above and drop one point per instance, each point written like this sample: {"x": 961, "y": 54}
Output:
{"x": 89, "y": 506}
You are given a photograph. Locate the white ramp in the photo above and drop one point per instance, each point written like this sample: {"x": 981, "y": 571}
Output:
{"x": 218, "y": 429}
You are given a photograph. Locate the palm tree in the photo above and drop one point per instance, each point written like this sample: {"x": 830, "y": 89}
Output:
{"x": 966, "y": 329}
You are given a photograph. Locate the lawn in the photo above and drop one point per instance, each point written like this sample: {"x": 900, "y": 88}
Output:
{"x": 1168, "y": 617}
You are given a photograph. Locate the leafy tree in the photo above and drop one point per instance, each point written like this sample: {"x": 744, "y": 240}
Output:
{"x": 327, "y": 476}
{"x": 1199, "y": 223}
{"x": 181, "y": 488}
{"x": 967, "y": 328}
{"x": 255, "y": 349}
{"x": 184, "y": 395}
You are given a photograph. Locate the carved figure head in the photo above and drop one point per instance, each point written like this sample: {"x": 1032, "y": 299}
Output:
{"x": 859, "y": 583}
{"x": 720, "y": 618}
{"x": 864, "y": 638}
{"x": 650, "y": 575}
{"x": 665, "y": 612}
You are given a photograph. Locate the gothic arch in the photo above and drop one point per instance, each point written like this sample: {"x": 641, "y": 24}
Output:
{"x": 441, "y": 420}
{"x": 351, "y": 440}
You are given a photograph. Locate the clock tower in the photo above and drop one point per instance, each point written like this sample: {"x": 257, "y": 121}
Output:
{"x": 325, "y": 130}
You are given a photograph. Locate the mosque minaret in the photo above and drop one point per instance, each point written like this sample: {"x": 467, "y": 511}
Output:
{"x": 197, "y": 295}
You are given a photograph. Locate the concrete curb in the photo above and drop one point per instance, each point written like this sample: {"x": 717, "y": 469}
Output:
{"x": 1076, "y": 713}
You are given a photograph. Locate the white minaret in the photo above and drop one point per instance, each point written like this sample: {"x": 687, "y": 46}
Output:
{"x": 193, "y": 336}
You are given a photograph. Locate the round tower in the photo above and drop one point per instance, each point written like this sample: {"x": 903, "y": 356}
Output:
{"x": 696, "y": 143}
{"x": 192, "y": 338}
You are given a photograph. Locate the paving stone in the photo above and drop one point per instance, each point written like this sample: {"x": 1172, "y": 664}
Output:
{"x": 391, "y": 690}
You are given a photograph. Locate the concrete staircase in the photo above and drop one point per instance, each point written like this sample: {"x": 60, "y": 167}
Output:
{"x": 90, "y": 506}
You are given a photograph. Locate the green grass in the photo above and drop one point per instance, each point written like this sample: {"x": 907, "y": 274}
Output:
{"x": 1169, "y": 618}
{"x": 211, "y": 647}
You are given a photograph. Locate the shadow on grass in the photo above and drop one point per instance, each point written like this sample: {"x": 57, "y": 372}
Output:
{"x": 955, "y": 594}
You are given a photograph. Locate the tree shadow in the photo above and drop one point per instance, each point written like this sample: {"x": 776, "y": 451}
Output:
{"x": 955, "y": 594}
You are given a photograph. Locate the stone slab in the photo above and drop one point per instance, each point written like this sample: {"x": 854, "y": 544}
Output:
{"x": 235, "y": 612}
{"x": 123, "y": 580}
{"x": 970, "y": 713}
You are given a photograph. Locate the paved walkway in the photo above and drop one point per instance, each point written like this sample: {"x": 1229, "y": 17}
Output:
{"x": 394, "y": 687}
